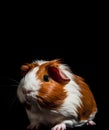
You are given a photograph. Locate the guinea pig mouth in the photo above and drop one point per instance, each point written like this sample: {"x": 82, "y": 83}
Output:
{"x": 30, "y": 98}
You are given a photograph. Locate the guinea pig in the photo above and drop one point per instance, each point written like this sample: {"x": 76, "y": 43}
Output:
{"x": 54, "y": 96}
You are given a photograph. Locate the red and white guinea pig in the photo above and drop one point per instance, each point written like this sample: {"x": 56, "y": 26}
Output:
{"x": 54, "y": 96}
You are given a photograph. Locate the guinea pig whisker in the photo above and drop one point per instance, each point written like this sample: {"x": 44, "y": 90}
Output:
{"x": 13, "y": 102}
{"x": 14, "y": 85}
{"x": 12, "y": 94}
{"x": 14, "y": 80}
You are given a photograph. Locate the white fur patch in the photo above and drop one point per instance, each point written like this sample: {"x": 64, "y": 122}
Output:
{"x": 39, "y": 62}
{"x": 29, "y": 82}
{"x": 73, "y": 100}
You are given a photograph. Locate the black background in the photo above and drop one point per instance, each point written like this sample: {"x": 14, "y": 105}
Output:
{"x": 80, "y": 40}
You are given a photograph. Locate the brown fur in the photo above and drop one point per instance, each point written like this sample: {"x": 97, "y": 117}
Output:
{"x": 88, "y": 106}
{"x": 52, "y": 92}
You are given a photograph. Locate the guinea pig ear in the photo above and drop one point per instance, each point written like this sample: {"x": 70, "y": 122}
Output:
{"x": 58, "y": 75}
{"x": 24, "y": 69}
{"x": 27, "y": 67}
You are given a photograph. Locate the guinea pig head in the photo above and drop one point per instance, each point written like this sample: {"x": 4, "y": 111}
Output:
{"x": 43, "y": 82}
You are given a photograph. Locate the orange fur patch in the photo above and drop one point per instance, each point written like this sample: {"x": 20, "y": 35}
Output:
{"x": 51, "y": 94}
{"x": 88, "y": 106}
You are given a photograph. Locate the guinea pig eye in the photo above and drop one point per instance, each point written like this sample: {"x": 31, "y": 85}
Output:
{"x": 46, "y": 78}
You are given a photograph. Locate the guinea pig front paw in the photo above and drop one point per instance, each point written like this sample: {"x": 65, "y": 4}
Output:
{"x": 61, "y": 126}
{"x": 33, "y": 126}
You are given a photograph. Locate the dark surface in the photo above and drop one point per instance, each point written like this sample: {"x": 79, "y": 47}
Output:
{"x": 81, "y": 45}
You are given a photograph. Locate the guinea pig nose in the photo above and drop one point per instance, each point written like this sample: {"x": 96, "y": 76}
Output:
{"x": 27, "y": 91}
